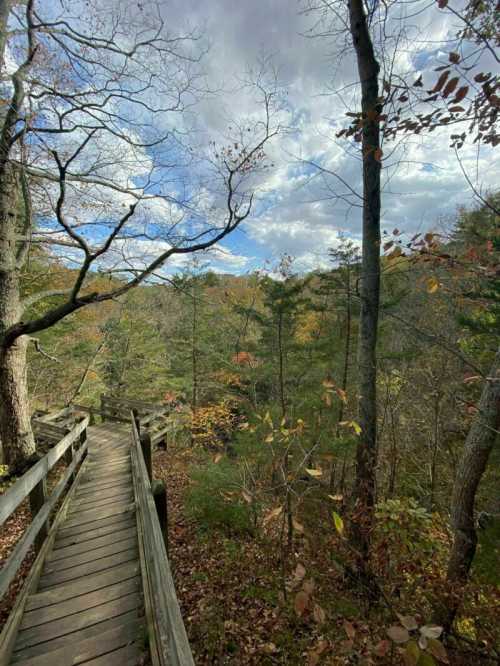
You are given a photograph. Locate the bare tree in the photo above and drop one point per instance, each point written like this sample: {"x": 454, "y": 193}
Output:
{"x": 95, "y": 141}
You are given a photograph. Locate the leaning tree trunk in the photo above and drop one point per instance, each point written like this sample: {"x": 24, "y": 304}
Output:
{"x": 15, "y": 428}
{"x": 478, "y": 445}
{"x": 366, "y": 457}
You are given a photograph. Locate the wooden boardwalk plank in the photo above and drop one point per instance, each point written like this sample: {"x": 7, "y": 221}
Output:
{"x": 83, "y": 586}
{"x": 131, "y": 619}
{"x": 67, "y": 608}
{"x": 114, "y": 536}
{"x": 92, "y": 488}
{"x": 86, "y": 517}
{"x": 92, "y": 532}
{"x": 103, "y": 564}
{"x": 88, "y": 607}
{"x": 103, "y": 493}
{"x": 91, "y": 648}
{"x": 96, "y": 502}
{"x": 89, "y": 555}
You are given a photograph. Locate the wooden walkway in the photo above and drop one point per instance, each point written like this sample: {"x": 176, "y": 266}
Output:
{"x": 88, "y": 606}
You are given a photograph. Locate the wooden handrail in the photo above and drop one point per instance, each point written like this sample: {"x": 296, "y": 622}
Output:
{"x": 169, "y": 645}
{"x": 25, "y": 485}
{"x": 13, "y": 497}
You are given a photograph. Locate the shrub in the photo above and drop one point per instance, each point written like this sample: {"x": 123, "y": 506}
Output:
{"x": 215, "y": 500}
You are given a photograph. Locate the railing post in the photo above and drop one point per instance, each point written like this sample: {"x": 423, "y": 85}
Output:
{"x": 37, "y": 497}
{"x": 159, "y": 490}
{"x": 137, "y": 422}
{"x": 147, "y": 452}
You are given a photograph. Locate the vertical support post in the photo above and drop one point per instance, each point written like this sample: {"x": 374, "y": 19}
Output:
{"x": 159, "y": 491}
{"x": 147, "y": 452}
{"x": 103, "y": 407}
{"x": 83, "y": 438}
{"x": 68, "y": 459}
{"x": 38, "y": 497}
{"x": 137, "y": 422}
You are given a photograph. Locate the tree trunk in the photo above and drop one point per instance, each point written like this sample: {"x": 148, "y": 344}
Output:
{"x": 281, "y": 377}
{"x": 478, "y": 445}
{"x": 15, "y": 426}
{"x": 366, "y": 457}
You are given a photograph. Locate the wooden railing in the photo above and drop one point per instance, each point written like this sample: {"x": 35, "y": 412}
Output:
{"x": 33, "y": 484}
{"x": 168, "y": 642}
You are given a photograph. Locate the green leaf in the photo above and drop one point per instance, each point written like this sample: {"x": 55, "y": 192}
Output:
{"x": 411, "y": 654}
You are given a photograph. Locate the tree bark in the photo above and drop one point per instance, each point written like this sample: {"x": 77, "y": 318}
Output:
{"x": 15, "y": 424}
{"x": 478, "y": 445}
{"x": 366, "y": 457}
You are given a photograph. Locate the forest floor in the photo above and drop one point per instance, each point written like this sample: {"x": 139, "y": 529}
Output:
{"x": 242, "y": 607}
{"x": 232, "y": 601}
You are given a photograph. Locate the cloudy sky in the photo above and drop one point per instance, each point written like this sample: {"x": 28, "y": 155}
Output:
{"x": 297, "y": 212}
{"x": 311, "y": 193}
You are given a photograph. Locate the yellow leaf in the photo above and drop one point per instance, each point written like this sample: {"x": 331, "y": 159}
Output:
{"x": 298, "y": 527}
{"x": 272, "y": 514}
{"x": 356, "y": 427}
{"x": 315, "y": 472}
{"x": 336, "y": 498}
{"x": 339, "y": 523}
{"x": 269, "y": 439}
{"x": 218, "y": 458}
{"x": 246, "y": 496}
{"x": 432, "y": 285}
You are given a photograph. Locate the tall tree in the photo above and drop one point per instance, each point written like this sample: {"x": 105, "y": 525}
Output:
{"x": 368, "y": 70}
{"x": 89, "y": 97}
{"x": 482, "y": 435}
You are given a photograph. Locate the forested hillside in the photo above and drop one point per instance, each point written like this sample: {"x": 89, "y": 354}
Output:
{"x": 249, "y": 262}
{"x": 262, "y": 370}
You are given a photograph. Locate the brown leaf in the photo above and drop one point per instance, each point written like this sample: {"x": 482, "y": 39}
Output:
{"x": 398, "y": 634}
{"x": 300, "y": 571}
{"x": 298, "y": 527}
{"x": 349, "y": 630}
{"x": 272, "y": 514}
{"x": 382, "y": 648}
{"x": 408, "y": 622}
{"x": 308, "y": 586}
{"x": 301, "y": 602}
{"x": 441, "y": 81}
{"x": 461, "y": 93}
{"x": 437, "y": 649}
{"x": 319, "y": 614}
{"x": 450, "y": 86}
{"x": 454, "y": 57}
